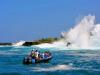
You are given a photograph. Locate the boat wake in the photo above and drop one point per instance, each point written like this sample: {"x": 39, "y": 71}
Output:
{"x": 55, "y": 68}
{"x": 63, "y": 68}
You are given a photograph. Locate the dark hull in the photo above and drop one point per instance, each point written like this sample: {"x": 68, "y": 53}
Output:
{"x": 43, "y": 60}
{"x": 27, "y": 61}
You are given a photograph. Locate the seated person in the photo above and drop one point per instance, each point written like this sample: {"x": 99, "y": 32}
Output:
{"x": 32, "y": 54}
{"x": 47, "y": 54}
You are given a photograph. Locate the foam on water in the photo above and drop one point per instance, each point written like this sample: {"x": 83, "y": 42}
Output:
{"x": 58, "y": 44}
{"x": 54, "y": 68}
{"x": 61, "y": 68}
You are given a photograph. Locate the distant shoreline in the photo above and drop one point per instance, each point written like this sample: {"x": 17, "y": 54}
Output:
{"x": 40, "y": 41}
{"x": 5, "y": 43}
{"x": 36, "y": 42}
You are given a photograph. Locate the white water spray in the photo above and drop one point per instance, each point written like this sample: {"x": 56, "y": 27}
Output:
{"x": 80, "y": 35}
{"x": 20, "y": 43}
{"x": 85, "y": 34}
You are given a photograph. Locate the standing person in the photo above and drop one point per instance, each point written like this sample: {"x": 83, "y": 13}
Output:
{"x": 36, "y": 54}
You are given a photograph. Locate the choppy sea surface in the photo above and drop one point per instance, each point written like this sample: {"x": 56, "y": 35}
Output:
{"x": 64, "y": 62}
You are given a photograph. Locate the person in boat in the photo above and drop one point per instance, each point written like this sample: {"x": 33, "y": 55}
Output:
{"x": 43, "y": 55}
{"x": 32, "y": 54}
{"x": 36, "y": 54}
{"x": 47, "y": 54}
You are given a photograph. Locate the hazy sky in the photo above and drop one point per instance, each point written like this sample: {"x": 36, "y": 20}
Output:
{"x": 33, "y": 19}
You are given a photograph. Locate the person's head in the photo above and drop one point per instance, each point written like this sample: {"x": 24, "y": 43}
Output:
{"x": 35, "y": 50}
{"x": 31, "y": 51}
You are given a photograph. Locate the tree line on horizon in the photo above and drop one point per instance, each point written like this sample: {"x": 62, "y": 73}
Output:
{"x": 40, "y": 41}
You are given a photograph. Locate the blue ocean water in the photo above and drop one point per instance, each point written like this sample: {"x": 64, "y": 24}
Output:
{"x": 64, "y": 62}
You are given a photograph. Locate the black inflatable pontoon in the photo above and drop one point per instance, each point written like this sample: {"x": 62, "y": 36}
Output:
{"x": 29, "y": 60}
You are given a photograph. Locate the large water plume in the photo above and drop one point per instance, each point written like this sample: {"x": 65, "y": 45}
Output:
{"x": 85, "y": 34}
